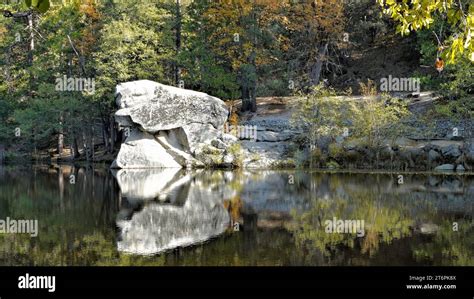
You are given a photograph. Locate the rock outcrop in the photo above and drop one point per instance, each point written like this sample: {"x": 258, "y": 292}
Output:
{"x": 273, "y": 139}
{"x": 170, "y": 127}
{"x": 165, "y": 126}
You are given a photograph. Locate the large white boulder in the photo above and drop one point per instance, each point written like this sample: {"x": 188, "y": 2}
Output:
{"x": 156, "y": 107}
{"x": 168, "y": 124}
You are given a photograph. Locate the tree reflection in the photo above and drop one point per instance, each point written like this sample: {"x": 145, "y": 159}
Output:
{"x": 385, "y": 220}
{"x": 280, "y": 223}
{"x": 447, "y": 246}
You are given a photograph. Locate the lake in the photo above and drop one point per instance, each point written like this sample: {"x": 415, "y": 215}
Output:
{"x": 94, "y": 216}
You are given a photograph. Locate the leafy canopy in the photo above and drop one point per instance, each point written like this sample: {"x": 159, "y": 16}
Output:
{"x": 414, "y": 15}
{"x": 41, "y": 5}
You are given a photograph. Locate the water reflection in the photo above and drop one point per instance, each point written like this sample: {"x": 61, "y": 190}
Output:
{"x": 187, "y": 211}
{"x": 175, "y": 217}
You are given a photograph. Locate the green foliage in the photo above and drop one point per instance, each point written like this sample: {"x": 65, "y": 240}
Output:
{"x": 384, "y": 221}
{"x": 321, "y": 113}
{"x": 418, "y": 14}
{"x": 456, "y": 84}
{"x": 379, "y": 119}
{"x": 36, "y": 107}
{"x": 300, "y": 158}
{"x": 460, "y": 83}
{"x": 324, "y": 114}
{"x": 41, "y": 5}
{"x": 130, "y": 47}
{"x": 332, "y": 165}
{"x": 236, "y": 151}
{"x": 335, "y": 150}
{"x": 203, "y": 68}
{"x": 459, "y": 109}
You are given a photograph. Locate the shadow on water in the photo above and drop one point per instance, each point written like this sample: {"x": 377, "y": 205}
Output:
{"x": 93, "y": 216}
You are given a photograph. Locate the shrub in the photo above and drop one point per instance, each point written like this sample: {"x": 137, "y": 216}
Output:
{"x": 236, "y": 151}
{"x": 335, "y": 150}
{"x": 378, "y": 118}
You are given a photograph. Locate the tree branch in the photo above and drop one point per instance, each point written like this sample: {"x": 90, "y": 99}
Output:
{"x": 16, "y": 15}
{"x": 77, "y": 54}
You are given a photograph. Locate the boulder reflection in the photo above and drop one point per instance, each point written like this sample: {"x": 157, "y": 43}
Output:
{"x": 167, "y": 209}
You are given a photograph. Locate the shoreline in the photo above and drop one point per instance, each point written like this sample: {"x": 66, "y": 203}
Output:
{"x": 100, "y": 165}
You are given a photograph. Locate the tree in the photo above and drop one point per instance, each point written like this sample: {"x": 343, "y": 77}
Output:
{"x": 239, "y": 36}
{"x": 18, "y": 67}
{"x": 201, "y": 67}
{"x": 131, "y": 46}
{"x": 315, "y": 30}
{"x": 321, "y": 113}
{"x": 415, "y": 15}
{"x": 41, "y": 6}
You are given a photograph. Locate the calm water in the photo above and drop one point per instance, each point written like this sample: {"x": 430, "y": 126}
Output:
{"x": 172, "y": 217}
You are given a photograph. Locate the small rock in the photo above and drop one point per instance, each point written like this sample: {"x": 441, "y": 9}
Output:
{"x": 340, "y": 139}
{"x": 228, "y": 159}
{"x": 433, "y": 155}
{"x": 470, "y": 151}
{"x": 433, "y": 181}
{"x": 428, "y": 228}
{"x": 451, "y": 151}
{"x": 270, "y": 136}
{"x": 218, "y": 144}
{"x": 445, "y": 167}
{"x": 460, "y": 168}
{"x": 229, "y": 138}
{"x": 267, "y": 136}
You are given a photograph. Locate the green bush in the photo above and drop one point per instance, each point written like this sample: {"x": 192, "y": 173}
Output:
{"x": 236, "y": 151}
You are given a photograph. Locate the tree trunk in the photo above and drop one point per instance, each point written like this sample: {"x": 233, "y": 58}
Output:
{"x": 75, "y": 148}
{"x": 249, "y": 85}
{"x": 249, "y": 73}
{"x": 32, "y": 37}
{"x": 316, "y": 68}
{"x": 178, "y": 40}
{"x": 61, "y": 187}
{"x": 60, "y": 136}
{"x": 7, "y": 73}
{"x": 245, "y": 97}
{"x": 113, "y": 134}
{"x": 2, "y": 154}
{"x": 84, "y": 145}
{"x": 92, "y": 144}
{"x": 105, "y": 135}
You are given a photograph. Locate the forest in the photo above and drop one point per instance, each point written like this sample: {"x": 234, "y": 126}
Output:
{"x": 61, "y": 60}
